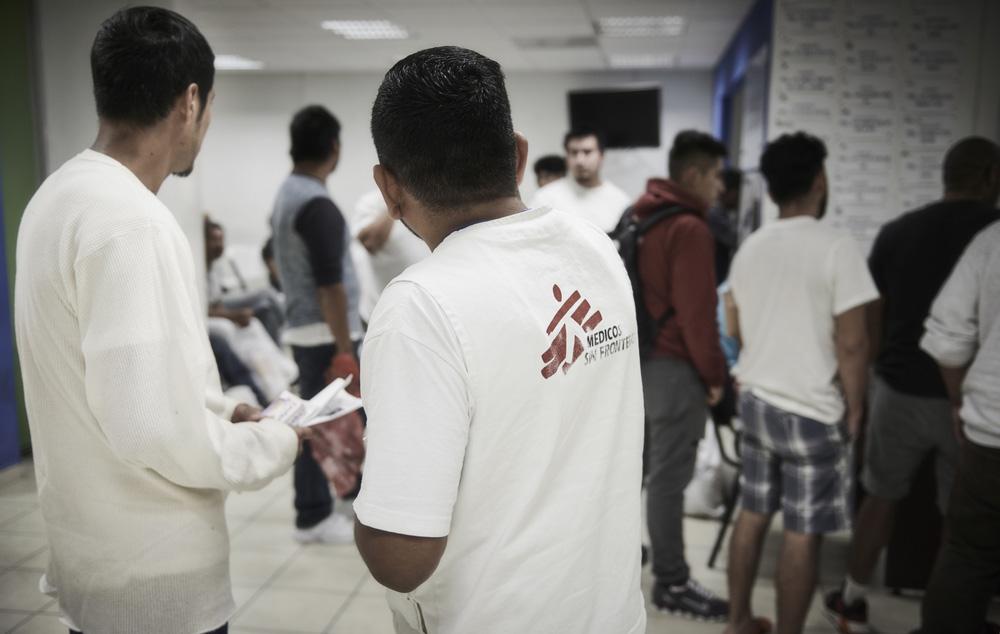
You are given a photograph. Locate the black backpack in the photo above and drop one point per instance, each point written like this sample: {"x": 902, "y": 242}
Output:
{"x": 628, "y": 234}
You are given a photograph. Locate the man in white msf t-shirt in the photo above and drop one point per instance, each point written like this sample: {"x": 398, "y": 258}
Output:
{"x": 501, "y": 382}
{"x": 583, "y": 193}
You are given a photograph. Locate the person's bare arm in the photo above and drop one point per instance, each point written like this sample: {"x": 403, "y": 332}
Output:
{"x": 953, "y": 379}
{"x": 333, "y": 304}
{"x": 239, "y": 316}
{"x": 398, "y": 562}
{"x": 732, "y": 317}
{"x": 374, "y": 236}
{"x": 851, "y": 339}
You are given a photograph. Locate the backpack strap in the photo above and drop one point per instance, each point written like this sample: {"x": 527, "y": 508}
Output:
{"x": 645, "y": 225}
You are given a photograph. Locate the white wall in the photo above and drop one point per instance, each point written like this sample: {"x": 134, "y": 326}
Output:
{"x": 245, "y": 155}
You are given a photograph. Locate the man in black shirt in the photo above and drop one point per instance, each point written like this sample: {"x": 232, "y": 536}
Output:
{"x": 910, "y": 416}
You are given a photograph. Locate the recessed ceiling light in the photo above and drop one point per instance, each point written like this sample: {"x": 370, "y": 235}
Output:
{"x": 639, "y": 26}
{"x": 236, "y": 62}
{"x": 366, "y": 29}
{"x": 641, "y": 61}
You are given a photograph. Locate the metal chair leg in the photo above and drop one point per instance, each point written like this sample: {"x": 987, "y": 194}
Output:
{"x": 727, "y": 518}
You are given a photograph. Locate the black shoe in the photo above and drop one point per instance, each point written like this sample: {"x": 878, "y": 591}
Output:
{"x": 690, "y": 600}
{"x": 847, "y": 619}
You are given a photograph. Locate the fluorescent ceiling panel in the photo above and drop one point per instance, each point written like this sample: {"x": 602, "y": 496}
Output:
{"x": 366, "y": 29}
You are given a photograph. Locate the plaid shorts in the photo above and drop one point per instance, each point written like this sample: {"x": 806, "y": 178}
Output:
{"x": 797, "y": 464}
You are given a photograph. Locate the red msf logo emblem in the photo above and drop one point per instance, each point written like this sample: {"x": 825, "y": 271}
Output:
{"x": 560, "y": 355}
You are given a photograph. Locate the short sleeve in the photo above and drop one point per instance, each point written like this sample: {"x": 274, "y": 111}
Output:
{"x": 952, "y": 328}
{"x": 852, "y": 282}
{"x": 415, "y": 388}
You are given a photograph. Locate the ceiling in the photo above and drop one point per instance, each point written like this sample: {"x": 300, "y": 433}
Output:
{"x": 521, "y": 34}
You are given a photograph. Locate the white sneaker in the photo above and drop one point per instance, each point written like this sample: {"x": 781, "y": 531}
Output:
{"x": 335, "y": 529}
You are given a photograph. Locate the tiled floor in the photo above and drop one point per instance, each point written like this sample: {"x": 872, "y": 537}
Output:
{"x": 283, "y": 587}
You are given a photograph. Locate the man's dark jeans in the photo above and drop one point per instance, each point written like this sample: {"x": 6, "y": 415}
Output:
{"x": 967, "y": 572}
{"x": 313, "y": 502}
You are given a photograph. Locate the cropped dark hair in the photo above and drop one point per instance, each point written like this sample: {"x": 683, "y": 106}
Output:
{"x": 692, "y": 147}
{"x": 314, "y": 130}
{"x": 441, "y": 124}
{"x": 550, "y": 163}
{"x": 143, "y": 59}
{"x": 790, "y": 165}
{"x": 583, "y": 133}
{"x": 968, "y": 163}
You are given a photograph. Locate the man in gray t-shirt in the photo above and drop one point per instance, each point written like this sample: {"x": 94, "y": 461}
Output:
{"x": 963, "y": 336}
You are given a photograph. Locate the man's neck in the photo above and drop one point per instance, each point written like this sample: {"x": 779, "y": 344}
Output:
{"x": 319, "y": 171}
{"x": 953, "y": 196}
{"x": 456, "y": 220}
{"x": 797, "y": 210}
{"x": 589, "y": 183}
{"x": 145, "y": 152}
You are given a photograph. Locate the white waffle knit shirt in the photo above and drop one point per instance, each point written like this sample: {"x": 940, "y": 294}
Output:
{"x": 133, "y": 449}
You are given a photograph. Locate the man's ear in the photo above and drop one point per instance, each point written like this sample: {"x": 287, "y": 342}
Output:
{"x": 521, "y": 143}
{"x": 190, "y": 104}
{"x": 391, "y": 191}
{"x": 819, "y": 184}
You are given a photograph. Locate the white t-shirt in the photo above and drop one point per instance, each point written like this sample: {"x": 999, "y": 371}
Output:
{"x": 790, "y": 280}
{"x": 602, "y": 205}
{"x": 401, "y": 249}
{"x": 482, "y": 427}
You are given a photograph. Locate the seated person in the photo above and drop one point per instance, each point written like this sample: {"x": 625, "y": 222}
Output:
{"x": 229, "y": 295}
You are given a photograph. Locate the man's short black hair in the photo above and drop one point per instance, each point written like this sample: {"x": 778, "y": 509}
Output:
{"x": 441, "y": 124}
{"x": 551, "y": 164}
{"x": 790, "y": 165}
{"x": 143, "y": 59}
{"x": 582, "y": 133}
{"x": 692, "y": 147}
{"x": 732, "y": 178}
{"x": 210, "y": 226}
{"x": 314, "y": 130}
{"x": 968, "y": 163}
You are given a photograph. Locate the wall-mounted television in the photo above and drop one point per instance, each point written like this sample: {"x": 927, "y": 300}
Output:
{"x": 628, "y": 118}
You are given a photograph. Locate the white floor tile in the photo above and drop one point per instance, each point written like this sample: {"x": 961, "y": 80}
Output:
{"x": 311, "y": 572}
{"x": 252, "y": 568}
{"x": 8, "y": 620}
{"x": 16, "y": 547}
{"x": 365, "y": 615}
{"x": 19, "y": 591}
{"x": 299, "y": 610}
{"x": 42, "y": 624}
{"x": 12, "y": 510}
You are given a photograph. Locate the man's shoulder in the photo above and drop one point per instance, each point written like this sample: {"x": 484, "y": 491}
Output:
{"x": 611, "y": 189}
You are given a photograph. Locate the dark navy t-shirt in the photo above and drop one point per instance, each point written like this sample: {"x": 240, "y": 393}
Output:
{"x": 910, "y": 261}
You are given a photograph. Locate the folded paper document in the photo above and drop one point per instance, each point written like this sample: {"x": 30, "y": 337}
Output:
{"x": 331, "y": 402}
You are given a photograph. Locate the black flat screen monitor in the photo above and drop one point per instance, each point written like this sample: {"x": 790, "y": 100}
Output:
{"x": 628, "y": 118}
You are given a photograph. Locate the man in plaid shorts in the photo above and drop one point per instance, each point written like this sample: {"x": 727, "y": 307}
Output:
{"x": 797, "y": 302}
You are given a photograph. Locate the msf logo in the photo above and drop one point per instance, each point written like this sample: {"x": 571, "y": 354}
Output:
{"x": 564, "y": 349}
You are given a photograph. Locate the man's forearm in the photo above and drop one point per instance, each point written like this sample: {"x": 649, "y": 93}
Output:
{"x": 953, "y": 379}
{"x": 852, "y": 368}
{"x": 333, "y": 304}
